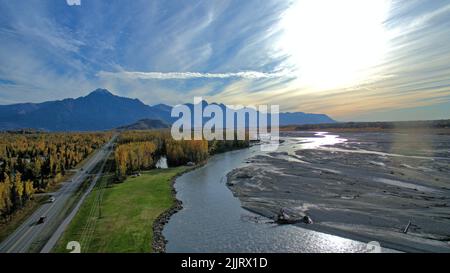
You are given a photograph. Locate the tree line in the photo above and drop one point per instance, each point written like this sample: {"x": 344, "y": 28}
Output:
{"x": 140, "y": 150}
{"x": 32, "y": 162}
{"x": 376, "y": 124}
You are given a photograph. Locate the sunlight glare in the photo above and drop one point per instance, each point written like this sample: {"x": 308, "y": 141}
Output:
{"x": 334, "y": 44}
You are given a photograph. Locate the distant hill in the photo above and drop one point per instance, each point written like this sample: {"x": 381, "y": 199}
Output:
{"x": 101, "y": 110}
{"x": 376, "y": 125}
{"x": 145, "y": 124}
{"x": 300, "y": 118}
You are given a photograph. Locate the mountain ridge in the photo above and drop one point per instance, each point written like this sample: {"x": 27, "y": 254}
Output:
{"x": 102, "y": 110}
{"x": 145, "y": 124}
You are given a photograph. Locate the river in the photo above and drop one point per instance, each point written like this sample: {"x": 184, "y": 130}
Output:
{"x": 212, "y": 219}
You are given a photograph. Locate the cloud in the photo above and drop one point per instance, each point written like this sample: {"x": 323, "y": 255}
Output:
{"x": 191, "y": 75}
{"x": 225, "y": 51}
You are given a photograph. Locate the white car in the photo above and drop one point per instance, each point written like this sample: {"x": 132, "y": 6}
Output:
{"x": 51, "y": 199}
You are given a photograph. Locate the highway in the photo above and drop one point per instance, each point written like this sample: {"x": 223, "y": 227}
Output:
{"x": 30, "y": 231}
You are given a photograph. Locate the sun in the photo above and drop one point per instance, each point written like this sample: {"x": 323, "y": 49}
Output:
{"x": 334, "y": 44}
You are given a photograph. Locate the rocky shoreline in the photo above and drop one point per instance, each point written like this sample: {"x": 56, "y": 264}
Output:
{"x": 159, "y": 241}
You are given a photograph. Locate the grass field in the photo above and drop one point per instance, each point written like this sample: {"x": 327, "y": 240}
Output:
{"x": 119, "y": 217}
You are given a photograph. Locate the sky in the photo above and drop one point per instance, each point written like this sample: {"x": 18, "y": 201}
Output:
{"x": 355, "y": 60}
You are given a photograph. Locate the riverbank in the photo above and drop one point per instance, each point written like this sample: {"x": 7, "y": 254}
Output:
{"x": 367, "y": 188}
{"x": 119, "y": 217}
{"x": 429, "y": 126}
{"x": 159, "y": 241}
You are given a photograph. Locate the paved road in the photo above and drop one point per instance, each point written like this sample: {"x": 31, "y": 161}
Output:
{"x": 24, "y": 236}
{"x": 62, "y": 227}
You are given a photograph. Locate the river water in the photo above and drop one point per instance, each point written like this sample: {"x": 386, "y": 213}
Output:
{"x": 212, "y": 219}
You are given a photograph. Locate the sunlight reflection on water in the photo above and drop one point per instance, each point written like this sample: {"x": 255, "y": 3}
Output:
{"x": 211, "y": 220}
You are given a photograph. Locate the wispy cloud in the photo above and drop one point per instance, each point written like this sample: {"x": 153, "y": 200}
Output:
{"x": 192, "y": 75}
{"x": 226, "y": 51}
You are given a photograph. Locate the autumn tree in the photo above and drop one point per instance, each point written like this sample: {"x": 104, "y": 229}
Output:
{"x": 17, "y": 190}
{"x": 5, "y": 195}
{"x": 32, "y": 161}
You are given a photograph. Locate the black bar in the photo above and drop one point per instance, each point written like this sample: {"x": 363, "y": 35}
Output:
{"x": 225, "y": 262}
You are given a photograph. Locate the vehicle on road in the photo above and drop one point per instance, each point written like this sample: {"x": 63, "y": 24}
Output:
{"x": 52, "y": 199}
{"x": 41, "y": 220}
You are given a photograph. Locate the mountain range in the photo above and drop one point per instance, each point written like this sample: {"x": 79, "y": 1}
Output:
{"x": 101, "y": 110}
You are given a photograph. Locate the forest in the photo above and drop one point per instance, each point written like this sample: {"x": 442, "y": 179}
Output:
{"x": 33, "y": 162}
{"x": 140, "y": 150}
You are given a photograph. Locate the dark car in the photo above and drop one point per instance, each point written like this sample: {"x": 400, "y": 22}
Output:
{"x": 41, "y": 220}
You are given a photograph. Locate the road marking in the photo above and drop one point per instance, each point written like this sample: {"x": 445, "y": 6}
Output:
{"x": 18, "y": 241}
